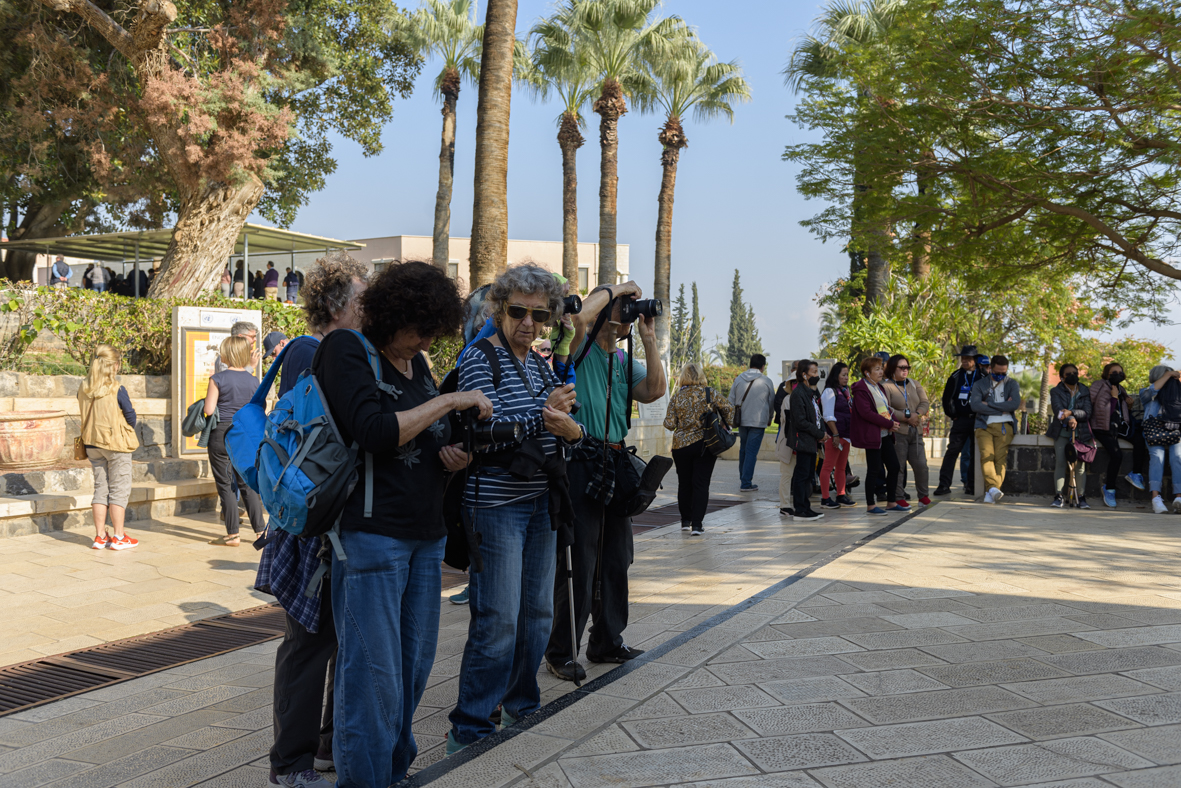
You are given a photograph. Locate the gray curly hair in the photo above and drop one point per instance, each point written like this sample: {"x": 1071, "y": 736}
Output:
{"x": 526, "y": 279}
{"x": 328, "y": 287}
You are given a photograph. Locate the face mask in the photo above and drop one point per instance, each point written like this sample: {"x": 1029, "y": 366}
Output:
{"x": 1117, "y": 378}
{"x": 812, "y": 381}
{"x": 999, "y": 376}
{"x": 1071, "y": 378}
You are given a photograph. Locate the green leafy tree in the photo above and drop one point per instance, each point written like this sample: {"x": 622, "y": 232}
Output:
{"x": 693, "y": 345}
{"x": 742, "y": 340}
{"x": 446, "y": 29}
{"x": 678, "y": 350}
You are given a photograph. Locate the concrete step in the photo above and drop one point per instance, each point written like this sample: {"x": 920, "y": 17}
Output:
{"x": 76, "y": 477}
{"x": 144, "y": 406}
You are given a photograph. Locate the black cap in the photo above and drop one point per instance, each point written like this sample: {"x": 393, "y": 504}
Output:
{"x": 272, "y": 340}
{"x": 968, "y": 350}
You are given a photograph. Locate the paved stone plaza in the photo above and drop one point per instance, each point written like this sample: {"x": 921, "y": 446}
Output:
{"x": 972, "y": 645}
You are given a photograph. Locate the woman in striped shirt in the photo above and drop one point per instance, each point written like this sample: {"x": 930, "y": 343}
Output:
{"x": 512, "y": 598}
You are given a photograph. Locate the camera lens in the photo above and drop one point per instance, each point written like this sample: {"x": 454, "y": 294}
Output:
{"x": 572, "y": 304}
{"x": 630, "y": 311}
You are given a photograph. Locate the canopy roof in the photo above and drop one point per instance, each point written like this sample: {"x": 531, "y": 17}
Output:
{"x": 116, "y": 247}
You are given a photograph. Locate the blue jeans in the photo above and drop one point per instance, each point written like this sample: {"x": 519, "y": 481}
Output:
{"x": 1156, "y": 467}
{"x": 748, "y": 453}
{"x": 385, "y": 602}
{"x": 512, "y": 607}
{"x": 98, "y": 287}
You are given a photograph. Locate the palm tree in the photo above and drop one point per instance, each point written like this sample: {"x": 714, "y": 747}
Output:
{"x": 692, "y": 80}
{"x": 612, "y": 33}
{"x": 844, "y": 26}
{"x": 569, "y": 74}
{"x": 489, "y": 249}
{"x": 446, "y": 29}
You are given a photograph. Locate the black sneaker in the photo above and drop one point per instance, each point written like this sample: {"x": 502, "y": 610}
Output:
{"x": 786, "y": 512}
{"x": 697, "y": 530}
{"x": 568, "y": 671}
{"x": 1082, "y": 502}
{"x": 829, "y": 503}
{"x": 970, "y": 492}
{"x": 808, "y": 515}
{"x": 1057, "y": 502}
{"x": 619, "y": 656}
{"x": 941, "y": 490}
{"x": 685, "y": 525}
{"x": 845, "y": 500}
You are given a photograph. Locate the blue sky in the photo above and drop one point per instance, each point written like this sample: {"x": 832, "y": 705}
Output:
{"x": 736, "y": 204}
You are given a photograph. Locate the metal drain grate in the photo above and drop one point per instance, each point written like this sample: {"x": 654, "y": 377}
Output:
{"x": 29, "y": 684}
{"x": 670, "y": 514}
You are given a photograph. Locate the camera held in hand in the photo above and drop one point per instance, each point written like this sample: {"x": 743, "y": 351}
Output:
{"x": 631, "y": 309}
{"x": 486, "y": 433}
{"x": 572, "y": 304}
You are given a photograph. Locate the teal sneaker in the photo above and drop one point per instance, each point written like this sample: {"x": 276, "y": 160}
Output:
{"x": 452, "y": 745}
{"x": 506, "y": 720}
{"x": 460, "y": 598}
{"x": 1109, "y": 497}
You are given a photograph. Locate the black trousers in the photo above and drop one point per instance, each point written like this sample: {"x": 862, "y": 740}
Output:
{"x": 610, "y": 611}
{"x": 801, "y": 481}
{"x": 223, "y": 472}
{"x": 1115, "y": 455}
{"x": 695, "y": 467}
{"x": 305, "y": 668}
{"x": 875, "y": 459}
{"x": 1139, "y": 450}
{"x": 963, "y": 431}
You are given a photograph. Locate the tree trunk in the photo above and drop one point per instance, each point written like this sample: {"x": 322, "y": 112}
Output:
{"x": 672, "y": 139}
{"x": 207, "y": 229}
{"x": 877, "y": 277}
{"x": 570, "y": 139}
{"x": 489, "y": 247}
{"x": 440, "y": 253}
{"x": 920, "y": 261}
{"x": 1043, "y": 402}
{"x": 40, "y": 221}
{"x": 610, "y": 107}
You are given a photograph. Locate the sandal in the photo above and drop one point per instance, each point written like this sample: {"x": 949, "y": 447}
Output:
{"x": 227, "y": 541}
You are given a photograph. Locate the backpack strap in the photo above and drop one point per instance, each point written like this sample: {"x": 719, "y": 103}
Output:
{"x": 388, "y": 388}
{"x": 264, "y": 388}
{"x": 489, "y": 350}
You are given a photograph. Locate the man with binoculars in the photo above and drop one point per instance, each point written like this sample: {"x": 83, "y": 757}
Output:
{"x": 608, "y": 381}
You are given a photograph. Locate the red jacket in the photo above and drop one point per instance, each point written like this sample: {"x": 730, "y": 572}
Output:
{"x": 866, "y": 429}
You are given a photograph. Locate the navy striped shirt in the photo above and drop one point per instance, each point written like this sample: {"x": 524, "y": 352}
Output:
{"x": 511, "y": 402}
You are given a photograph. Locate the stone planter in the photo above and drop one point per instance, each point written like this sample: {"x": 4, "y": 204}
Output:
{"x": 31, "y": 438}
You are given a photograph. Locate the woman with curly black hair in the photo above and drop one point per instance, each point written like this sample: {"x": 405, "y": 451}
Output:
{"x": 386, "y": 585}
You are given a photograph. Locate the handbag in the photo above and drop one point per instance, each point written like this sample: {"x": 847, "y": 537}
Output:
{"x": 718, "y": 435}
{"x": 79, "y": 449}
{"x": 1158, "y": 432}
{"x": 636, "y": 483}
{"x": 1084, "y": 451}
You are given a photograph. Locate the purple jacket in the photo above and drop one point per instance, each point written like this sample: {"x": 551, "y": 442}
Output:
{"x": 867, "y": 426}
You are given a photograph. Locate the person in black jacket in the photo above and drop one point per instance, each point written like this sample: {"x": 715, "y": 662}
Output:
{"x": 963, "y": 422}
{"x": 1070, "y": 420}
{"x": 804, "y": 433}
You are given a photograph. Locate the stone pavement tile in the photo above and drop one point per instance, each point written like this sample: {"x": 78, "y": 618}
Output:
{"x": 928, "y": 606}
{"x": 132, "y": 741}
{"x": 658, "y": 767}
{"x": 929, "y": 593}
{"x": 27, "y": 734}
{"x": 1105, "y": 621}
{"x": 935, "y": 771}
{"x": 802, "y": 589}
{"x": 801, "y": 751}
{"x": 792, "y": 616}
{"x": 608, "y": 741}
{"x": 1160, "y": 777}
{"x": 893, "y": 682}
{"x": 735, "y": 654}
{"x": 252, "y": 720}
{"x": 641, "y": 683}
{"x": 936, "y": 704}
{"x": 42, "y": 773}
{"x": 1161, "y": 745}
{"x": 970, "y": 674}
{"x": 860, "y": 597}
{"x": 1055, "y": 760}
{"x": 786, "y": 668}
{"x": 698, "y": 678}
{"x": 928, "y": 738}
{"x": 1001, "y": 600}
{"x": 995, "y": 615}
{"x": 807, "y": 647}
{"x": 658, "y": 706}
{"x": 127, "y": 688}
{"x": 906, "y": 638}
{"x": 1114, "y": 660}
{"x": 834, "y": 611}
{"x": 820, "y": 688}
{"x": 207, "y": 764}
{"x": 700, "y": 648}
{"x": 1014, "y": 629}
{"x": 215, "y": 678}
{"x": 122, "y": 769}
{"x": 781, "y": 780}
{"x": 685, "y": 731}
{"x": 1158, "y": 615}
{"x": 1059, "y": 644}
{"x": 889, "y": 660}
{"x": 548, "y": 776}
{"x": 242, "y": 777}
{"x": 1140, "y": 636}
{"x": 922, "y": 620}
{"x": 205, "y": 738}
{"x": 264, "y": 678}
{"x": 585, "y": 714}
{"x": 707, "y": 699}
{"x": 195, "y": 701}
{"x": 1166, "y": 678}
{"x": 837, "y": 626}
{"x": 1082, "y": 782}
{"x": 766, "y": 633}
{"x": 13, "y": 760}
{"x": 433, "y": 724}
{"x": 1148, "y": 709}
{"x": 1056, "y": 722}
{"x": 803, "y": 718}
{"x": 1080, "y": 688}
{"x": 248, "y": 701}
{"x": 56, "y": 709}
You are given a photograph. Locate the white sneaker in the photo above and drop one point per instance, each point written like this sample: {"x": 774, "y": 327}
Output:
{"x": 988, "y": 497}
{"x": 1177, "y": 505}
{"x": 1158, "y": 505}
{"x": 996, "y": 495}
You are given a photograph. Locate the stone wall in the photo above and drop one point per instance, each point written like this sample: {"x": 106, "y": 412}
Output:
{"x": 19, "y": 384}
{"x": 1031, "y": 471}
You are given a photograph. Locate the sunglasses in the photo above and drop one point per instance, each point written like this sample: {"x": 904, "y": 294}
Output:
{"x": 519, "y": 312}
{"x": 904, "y": 369}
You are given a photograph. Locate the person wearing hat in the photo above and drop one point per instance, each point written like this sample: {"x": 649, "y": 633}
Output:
{"x": 956, "y": 395}
{"x": 273, "y": 344}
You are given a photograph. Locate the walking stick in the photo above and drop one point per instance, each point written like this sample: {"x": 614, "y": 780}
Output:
{"x": 573, "y": 626}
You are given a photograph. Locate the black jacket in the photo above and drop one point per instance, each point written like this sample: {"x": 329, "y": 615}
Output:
{"x": 1060, "y": 401}
{"x": 803, "y": 432}
{"x": 953, "y": 406}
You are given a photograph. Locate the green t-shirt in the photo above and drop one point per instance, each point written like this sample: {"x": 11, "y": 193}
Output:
{"x": 591, "y": 391}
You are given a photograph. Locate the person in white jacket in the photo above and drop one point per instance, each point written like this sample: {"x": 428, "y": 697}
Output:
{"x": 753, "y": 397}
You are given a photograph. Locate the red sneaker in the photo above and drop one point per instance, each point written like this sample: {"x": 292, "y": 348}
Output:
{"x": 925, "y": 501}
{"x": 100, "y": 542}
{"x": 902, "y": 503}
{"x": 124, "y": 543}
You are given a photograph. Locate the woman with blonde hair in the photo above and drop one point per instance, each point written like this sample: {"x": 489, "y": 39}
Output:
{"x": 228, "y": 391}
{"x": 694, "y": 462}
{"x": 108, "y": 432}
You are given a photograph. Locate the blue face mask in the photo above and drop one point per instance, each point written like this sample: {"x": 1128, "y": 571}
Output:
{"x": 999, "y": 376}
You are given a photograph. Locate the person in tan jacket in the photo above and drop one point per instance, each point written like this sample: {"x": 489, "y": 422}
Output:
{"x": 908, "y": 405}
{"x": 108, "y": 433}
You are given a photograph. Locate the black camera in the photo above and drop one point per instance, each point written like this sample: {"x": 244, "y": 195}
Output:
{"x": 486, "y": 433}
{"x": 630, "y": 309}
{"x": 572, "y": 304}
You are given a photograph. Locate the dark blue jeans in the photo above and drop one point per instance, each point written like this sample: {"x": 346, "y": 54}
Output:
{"x": 512, "y": 607}
{"x": 748, "y": 453}
{"x": 385, "y": 602}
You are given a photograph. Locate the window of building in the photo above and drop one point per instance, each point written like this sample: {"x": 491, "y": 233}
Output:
{"x": 380, "y": 264}
{"x": 453, "y": 271}
{"x": 583, "y": 280}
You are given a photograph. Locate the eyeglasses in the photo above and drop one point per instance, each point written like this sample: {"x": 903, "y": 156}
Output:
{"x": 519, "y": 312}
{"x": 545, "y": 351}
{"x": 904, "y": 369}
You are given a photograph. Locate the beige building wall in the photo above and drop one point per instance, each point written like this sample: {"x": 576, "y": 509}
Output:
{"x": 379, "y": 252}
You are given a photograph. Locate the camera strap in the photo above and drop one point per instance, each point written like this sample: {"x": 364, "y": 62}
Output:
{"x": 591, "y": 336}
{"x": 541, "y": 367}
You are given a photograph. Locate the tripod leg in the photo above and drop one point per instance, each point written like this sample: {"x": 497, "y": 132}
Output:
{"x": 573, "y": 625}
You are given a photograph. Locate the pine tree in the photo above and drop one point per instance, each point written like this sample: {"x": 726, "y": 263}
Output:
{"x": 693, "y": 344}
{"x": 742, "y": 340}
{"x": 678, "y": 346}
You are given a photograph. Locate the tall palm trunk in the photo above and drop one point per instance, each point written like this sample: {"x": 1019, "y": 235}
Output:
{"x": 920, "y": 261}
{"x": 610, "y": 107}
{"x": 877, "y": 276}
{"x": 489, "y": 249}
{"x": 672, "y": 139}
{"x": 440, "y": 253}
{"x": 570, "y": 140}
